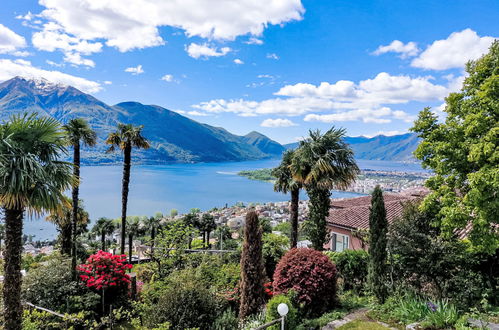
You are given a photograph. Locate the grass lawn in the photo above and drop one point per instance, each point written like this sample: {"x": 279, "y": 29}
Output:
{"x": 362, "y": 325}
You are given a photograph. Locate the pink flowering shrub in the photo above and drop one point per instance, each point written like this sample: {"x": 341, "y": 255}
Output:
{"x": 104, "y": 271}
{"x": 312, "y": 277}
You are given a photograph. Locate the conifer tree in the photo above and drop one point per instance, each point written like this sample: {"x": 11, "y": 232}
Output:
{"x": 252, "y": 270}
{"x": 378, "y": 227}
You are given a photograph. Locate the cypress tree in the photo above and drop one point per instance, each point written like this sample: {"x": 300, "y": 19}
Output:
{"x": 252, "y": 270}
{"x": 378, "y": 226}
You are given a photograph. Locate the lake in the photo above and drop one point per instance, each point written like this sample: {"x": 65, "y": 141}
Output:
{"x": 161, "y": 188}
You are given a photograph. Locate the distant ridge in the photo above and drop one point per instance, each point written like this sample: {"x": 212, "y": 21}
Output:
{"x": 174, "y": 138}
{"x": 380, "y": 147}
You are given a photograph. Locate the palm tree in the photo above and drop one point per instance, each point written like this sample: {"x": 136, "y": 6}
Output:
{"x": 62, "y": 217}
{"x": 103, "y": 227}
{"x": 321, "y": 163}
{"x": 125, "y": 138}
{"x": 284, "y": 183}
{"x": 152, "y": 224}
{"x": 77, "y": 130}
{"x": 132, "y": 229}
{"x": 32, "y": 180}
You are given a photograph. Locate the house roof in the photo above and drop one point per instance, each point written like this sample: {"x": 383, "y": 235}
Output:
{"x": 354, "y": 212}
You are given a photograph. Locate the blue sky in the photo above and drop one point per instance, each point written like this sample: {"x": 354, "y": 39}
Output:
{"x": 280, "y": 67}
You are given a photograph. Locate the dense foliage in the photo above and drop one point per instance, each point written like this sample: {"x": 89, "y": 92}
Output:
{"x": 274, "y": 247}
{"x": 378, "y": 226}
{"x": 424, "y": 262}
{"x": 252, "y": 270}
{"x": 352, "y": 268}
{"x": 183, "y": 300}
{"x": 463, "y": 152}
{"x": 311, "y": 275}
{"x": 52, "y": 287}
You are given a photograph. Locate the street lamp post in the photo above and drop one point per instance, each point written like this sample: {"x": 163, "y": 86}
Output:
{"x": 283, "y": 310}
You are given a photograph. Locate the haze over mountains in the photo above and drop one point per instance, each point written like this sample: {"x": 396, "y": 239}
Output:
{"x": 173, "y": 137}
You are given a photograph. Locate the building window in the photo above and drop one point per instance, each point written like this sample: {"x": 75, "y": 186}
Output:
{"x": 339, "y": 242}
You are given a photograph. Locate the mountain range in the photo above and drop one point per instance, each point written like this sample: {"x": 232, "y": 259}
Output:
{"x": 173, "y": 137}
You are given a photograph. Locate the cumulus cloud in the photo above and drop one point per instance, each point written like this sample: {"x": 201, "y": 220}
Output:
{"x": 278, "y": 122}
{"x": 367, "y": 100}
{"x": 130, "y": 24}
{"x": 396, "y": 46}
{"x": 205, "y": 50}
{"x": 167, "y": 78}
{"x": 51, "y": 38}
{"x": 377, "y": 116}
{"x": 12, "y": 68}
{"x": 135, "y": 70}
{"x": 238, "y": 61}
{"x": 454, "y": 51}
{"x": 108, "y": 82}
{"x": 11, "y": 42}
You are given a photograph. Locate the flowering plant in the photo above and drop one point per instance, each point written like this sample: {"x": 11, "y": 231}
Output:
{"x": 104, "y": 270}
{"x": 268, "y": 289}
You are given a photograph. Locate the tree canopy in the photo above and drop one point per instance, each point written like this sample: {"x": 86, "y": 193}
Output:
{"x": 463, "y": 152}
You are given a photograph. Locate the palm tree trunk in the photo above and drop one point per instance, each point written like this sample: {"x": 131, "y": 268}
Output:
{"x": 153, "y": 236}
{"x": 124, "y": 193}
{"x": 103, "y": 240}
{"x": 12, "y": 269}
{"x": 66, "y": 239}
{"x": 74, "y": 218}
{"x": 295, "y": 198}
{"x": 130, "y": 239}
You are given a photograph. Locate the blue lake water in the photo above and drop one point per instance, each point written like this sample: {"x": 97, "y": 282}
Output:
{"x": 160, "y": 188}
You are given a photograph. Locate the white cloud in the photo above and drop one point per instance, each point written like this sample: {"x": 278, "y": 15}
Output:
{"x": 273, "y": 56}
{"x": 197, "y": 113}
{"x": 396, "y": 46}
{"x": 375, "y": 116}
{"x": 385, "y": 133}
{"x": 11, "y": 42}
{"x": 130, "y": 24}
{"x": 366, "y": 100}
{"x": 278, "y": 122}
{"x": 135, "y": 70}
{"x": 52, "y": 63}
{"x": 254, "y": 41}
{"x": 51, "y": 38}
{"x": 205, "y": 50}
{"x": 167, "y": 78}
{"x": 454, "y": 51}
{"x": 108, "y": 82}
{"x": 12, "y": 68}
{"x": 238, "y": 61}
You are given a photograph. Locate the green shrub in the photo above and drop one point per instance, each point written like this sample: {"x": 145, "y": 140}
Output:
{"x": 183, "y": 300}
{"x": 352, "y": 268}
{"x": 272, "y": 314}
{"x": 274, "y": 247}
{"x": 52, "y": 287}
{"x": 227, "y": 321}
{"x": 321, "y": 321}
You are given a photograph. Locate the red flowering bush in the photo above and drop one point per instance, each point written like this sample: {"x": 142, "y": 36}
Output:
{"x": 311, "y": 275}
{"x": 105, "y": 270}
{"x": 268, "y": 289}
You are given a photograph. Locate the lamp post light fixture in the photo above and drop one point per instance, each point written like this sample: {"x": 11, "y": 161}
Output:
{"x": 283, "y": 310}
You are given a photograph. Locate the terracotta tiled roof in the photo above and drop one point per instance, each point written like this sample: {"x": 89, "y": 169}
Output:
{"x": 362, "y": 201}
{"x": 354, "y": 212}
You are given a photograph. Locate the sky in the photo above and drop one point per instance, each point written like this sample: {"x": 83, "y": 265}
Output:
{"x": 280, "y": 67}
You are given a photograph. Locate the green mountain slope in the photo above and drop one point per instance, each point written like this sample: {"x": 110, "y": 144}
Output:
{"x": 174, "y": 138}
